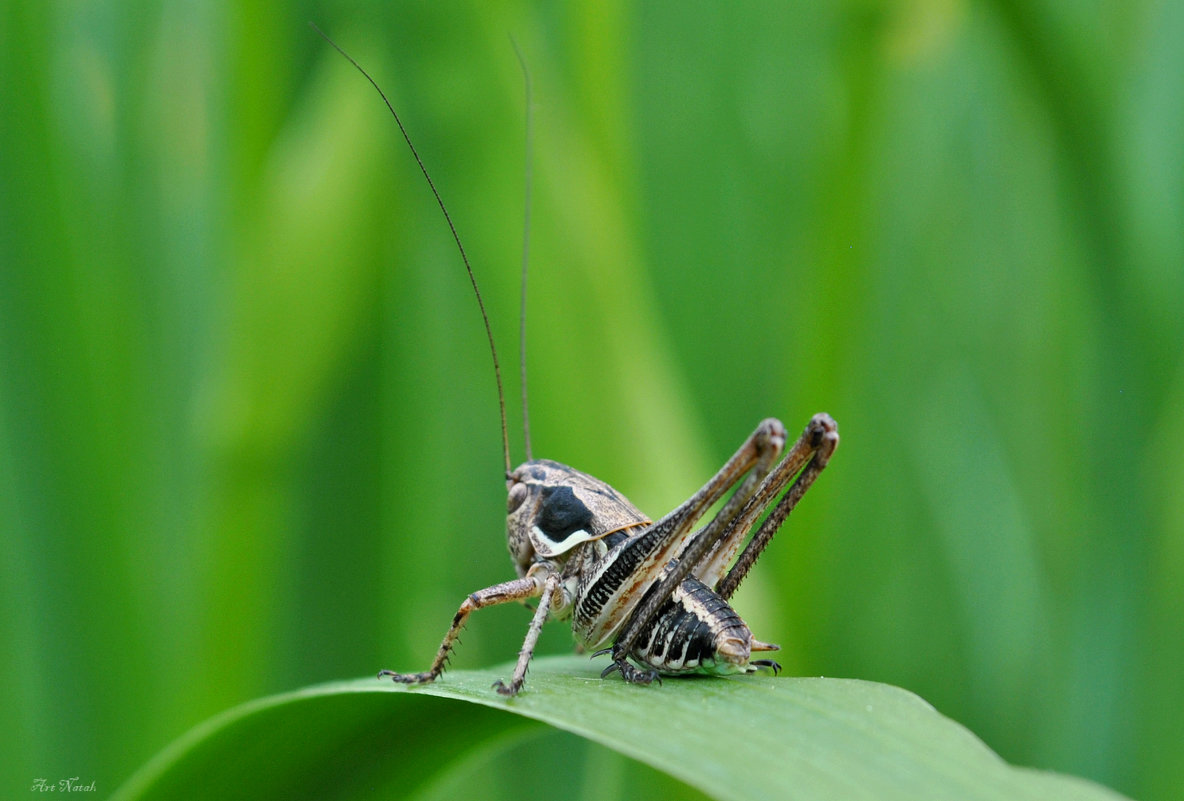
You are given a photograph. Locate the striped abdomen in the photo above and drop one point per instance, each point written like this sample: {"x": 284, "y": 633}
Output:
{"x": 695, "y": 632}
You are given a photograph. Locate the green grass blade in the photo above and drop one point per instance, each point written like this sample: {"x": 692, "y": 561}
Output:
{"x": 739, "y": 738}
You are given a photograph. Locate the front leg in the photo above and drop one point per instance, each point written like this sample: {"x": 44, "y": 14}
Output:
{"x": 517, "y": 590}
{"x": 532, "y": 638}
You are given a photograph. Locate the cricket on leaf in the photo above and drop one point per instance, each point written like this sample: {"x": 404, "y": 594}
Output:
{"x": 653, "y": 596}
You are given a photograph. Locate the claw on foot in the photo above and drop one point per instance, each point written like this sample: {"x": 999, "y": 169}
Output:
{"x": 406, "y": 678}
{"x": 610, "y": 670}
{"x": 631, "y": 674}
{"x": 767, "y": 663}
{"x": 508, "y": 690}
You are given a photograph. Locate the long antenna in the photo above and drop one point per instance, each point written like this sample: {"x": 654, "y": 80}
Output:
{"x": 525, "y": 247}
{"x": 497, "y": 370}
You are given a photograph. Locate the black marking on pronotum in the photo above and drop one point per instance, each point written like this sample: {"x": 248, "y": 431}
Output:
{"x": 561, "y": 513}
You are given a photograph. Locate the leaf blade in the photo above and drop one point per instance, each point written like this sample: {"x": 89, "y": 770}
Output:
{"x": 742, "y": 737}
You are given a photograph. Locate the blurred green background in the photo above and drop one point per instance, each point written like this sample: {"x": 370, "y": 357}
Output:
{"x": 248, "y": 427}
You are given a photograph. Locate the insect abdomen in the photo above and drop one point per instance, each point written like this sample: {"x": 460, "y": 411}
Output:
{"x": 695, "y": 632}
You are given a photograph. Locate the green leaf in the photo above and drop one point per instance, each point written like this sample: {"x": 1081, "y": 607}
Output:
{"x": 733, "y": 738}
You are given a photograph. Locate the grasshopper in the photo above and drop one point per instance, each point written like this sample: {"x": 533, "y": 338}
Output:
{"x": 652, "y": 596}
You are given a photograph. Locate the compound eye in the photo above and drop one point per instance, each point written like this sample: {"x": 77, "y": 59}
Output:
{"x": 515, "y": 497}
